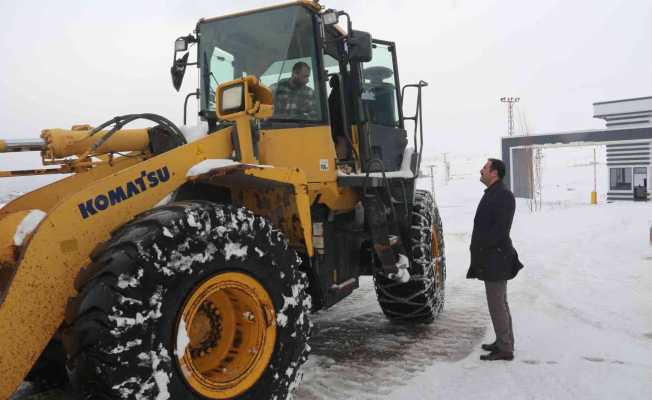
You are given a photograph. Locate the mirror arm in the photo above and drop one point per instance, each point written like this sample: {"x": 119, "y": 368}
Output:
{"x": 185, "y": 104}
{"x": 349, "y": 25}
{"x": 188, "y": 39}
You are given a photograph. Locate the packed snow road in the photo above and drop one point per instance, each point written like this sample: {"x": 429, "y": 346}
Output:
{"x": 357, "y": 353}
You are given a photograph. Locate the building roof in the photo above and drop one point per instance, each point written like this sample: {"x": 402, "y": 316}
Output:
{"x": 625, "y": 113}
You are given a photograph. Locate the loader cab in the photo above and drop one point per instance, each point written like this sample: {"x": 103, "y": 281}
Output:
{"x": 349, "y": 99}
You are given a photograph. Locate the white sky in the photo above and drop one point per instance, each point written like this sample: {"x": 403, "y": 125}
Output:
{"x": 76, "y": 61}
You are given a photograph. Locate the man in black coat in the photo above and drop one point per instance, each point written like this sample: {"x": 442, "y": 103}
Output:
{"x": 493, "y": 258}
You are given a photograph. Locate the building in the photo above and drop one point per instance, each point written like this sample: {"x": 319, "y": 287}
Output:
{"x": 627, "y": 136}
{"x": 629, "y": 162}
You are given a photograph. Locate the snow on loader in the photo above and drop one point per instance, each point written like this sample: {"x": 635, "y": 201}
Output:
{"x": 182, "y": 263}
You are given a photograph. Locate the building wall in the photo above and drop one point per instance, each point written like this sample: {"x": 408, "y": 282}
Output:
{"x": 626, "y": 157}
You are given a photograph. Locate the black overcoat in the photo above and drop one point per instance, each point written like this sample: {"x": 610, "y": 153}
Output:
{"x": 493, "y": 258}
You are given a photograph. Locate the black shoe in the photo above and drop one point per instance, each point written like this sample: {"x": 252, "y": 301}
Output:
{"x": 498, "y": 355}
{"x": 490, "y": 347}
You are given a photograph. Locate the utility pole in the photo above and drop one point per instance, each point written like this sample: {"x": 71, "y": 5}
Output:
{"x": 510, "y": 112}
{"x": 538, "y": 178}
{"x": 447, "y": 170}
{"x": 432, "y": 179}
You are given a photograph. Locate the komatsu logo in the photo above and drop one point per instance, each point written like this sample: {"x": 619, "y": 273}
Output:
{"x": 124, "y": 192}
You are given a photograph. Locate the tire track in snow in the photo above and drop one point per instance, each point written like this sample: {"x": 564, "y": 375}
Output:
{"x": 365, "y": 356}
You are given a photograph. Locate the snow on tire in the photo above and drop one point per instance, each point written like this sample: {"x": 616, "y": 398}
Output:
{"x": 420, "y": 299}
{"x": 192, "y": 300}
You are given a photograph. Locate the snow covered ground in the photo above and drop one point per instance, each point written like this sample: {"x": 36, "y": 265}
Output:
{"x": 582, "y": 307}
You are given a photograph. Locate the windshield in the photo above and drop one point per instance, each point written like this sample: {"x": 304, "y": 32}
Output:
{"x": 277, "y": 46}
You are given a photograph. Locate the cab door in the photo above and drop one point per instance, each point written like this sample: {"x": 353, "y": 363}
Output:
{"x": 381, "y": 102}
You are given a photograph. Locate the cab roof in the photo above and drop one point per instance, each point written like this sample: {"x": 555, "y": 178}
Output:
{"x": 313, "y": 6}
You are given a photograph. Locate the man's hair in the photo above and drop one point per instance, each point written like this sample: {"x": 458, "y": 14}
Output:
{"x": 299, "y": 66}
{"x": 498, "y": 165}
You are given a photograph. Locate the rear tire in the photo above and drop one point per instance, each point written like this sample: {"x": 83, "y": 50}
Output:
{"x": 421, "y": 299}
{"x": 192, "y": 301}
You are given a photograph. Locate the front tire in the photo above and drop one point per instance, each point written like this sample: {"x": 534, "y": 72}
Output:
{"x": 193, "y": 301}
{"x": 49, "y": 371}
{"x": 421, "y": 299}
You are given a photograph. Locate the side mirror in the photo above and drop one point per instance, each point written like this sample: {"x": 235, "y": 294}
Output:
{"x": 178, "y": 70}
{"x": 360, "y": 46}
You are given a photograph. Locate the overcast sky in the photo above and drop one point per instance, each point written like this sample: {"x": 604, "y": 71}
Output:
{"x": 74, "y": 61}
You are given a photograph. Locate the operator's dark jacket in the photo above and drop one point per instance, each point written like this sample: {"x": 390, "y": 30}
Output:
{"x": 493, "y": 258}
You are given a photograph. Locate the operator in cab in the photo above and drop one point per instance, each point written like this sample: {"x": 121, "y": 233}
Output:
{"x": 293, "y": 98}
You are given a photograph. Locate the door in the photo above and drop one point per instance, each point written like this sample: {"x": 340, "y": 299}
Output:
{"x": 381, "y": 100}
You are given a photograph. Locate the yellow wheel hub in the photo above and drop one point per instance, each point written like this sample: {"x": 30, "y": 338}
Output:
{"x": 228, "y": 329}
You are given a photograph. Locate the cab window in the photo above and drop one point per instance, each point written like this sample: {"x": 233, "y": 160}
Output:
{"x": 379, "y": 87}
{"x": 294, "y": 89}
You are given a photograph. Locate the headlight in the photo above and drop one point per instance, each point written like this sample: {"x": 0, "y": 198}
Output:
{"x": 232, "y": 99}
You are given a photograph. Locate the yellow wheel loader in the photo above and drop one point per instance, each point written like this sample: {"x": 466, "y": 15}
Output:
{"x": 182, "y": 262}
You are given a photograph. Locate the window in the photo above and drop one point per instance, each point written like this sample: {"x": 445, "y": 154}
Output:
{"x": 332, "y": 68}
{"x": 620, "y": 178}
{"x": 277, "y": 46}
{"x": 293, "y": 89}
{"x": 380, "y": 87}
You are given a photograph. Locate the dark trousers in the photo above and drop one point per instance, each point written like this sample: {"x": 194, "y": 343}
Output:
{"x": 500, "y": 316}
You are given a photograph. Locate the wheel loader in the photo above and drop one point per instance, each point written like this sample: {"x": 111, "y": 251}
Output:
{"x": 183, "y": 262}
